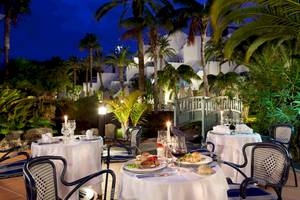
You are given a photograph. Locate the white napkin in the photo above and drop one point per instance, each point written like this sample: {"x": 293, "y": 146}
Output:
{"x": 221, "y": 129}
{"x": 89, "y": 134}
{"x": 243, "y": 128}
{"x": 46, "y": 138}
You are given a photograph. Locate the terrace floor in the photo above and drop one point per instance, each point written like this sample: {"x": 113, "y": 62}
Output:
{"x": 13, "y": 188}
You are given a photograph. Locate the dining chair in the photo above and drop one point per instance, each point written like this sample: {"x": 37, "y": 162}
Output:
{"x": 282, "y": 134}
{"x": 41, "y": 179}
{"x": 269, "y": 167}
{"x": 12, "y": 162}
{"x": 121, "y": 151}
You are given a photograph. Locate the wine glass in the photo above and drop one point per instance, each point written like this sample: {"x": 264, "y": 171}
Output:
{"x": 65, "y": 131}
{"x": 72, "y": 126}
{"x": 161, "y": 142}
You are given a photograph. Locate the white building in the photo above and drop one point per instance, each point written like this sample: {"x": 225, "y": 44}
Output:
{"x": 185, "y": 54}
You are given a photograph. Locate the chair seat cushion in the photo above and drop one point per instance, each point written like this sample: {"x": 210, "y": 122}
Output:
{"x": 252, "y": 192}
{"x": 12, "y": 169}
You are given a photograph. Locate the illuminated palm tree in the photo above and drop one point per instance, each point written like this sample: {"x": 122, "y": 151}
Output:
{"x": 135, "y": 24}
{"x": 196, "y": 15}
{"x": 120, "y": 60}
{"x": 73, "y": 62}
{"x": 12, "y": 9}
{"x": 170, "y": 77}
{"x": 90, "y": 43}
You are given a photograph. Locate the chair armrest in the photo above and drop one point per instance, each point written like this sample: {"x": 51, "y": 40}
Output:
{"x": 244, "y": 185}
{"x": 234, "y": 166}
{"x": 10, "y": 150}
{"x": 85, "y": 179}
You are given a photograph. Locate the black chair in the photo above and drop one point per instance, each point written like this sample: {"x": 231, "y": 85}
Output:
{"x": 41, "y": 181}
{"x": 282, "y": 134}
{"x": 269, "y": 167}
{"x": 122, "y": 151}
{"x": 12, "y": 169}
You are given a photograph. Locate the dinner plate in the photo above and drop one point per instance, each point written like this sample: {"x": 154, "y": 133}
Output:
{"x": 206, "y": 160}
{"x": 143, "y": 171}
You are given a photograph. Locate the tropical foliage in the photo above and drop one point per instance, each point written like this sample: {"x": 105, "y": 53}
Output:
{"x": 128, "y": 108}
{"x": 272, "y": 87}
{"x": 170, "y": 78}
{"x": 18, "y": 112}
{"x": 259, "y": 21}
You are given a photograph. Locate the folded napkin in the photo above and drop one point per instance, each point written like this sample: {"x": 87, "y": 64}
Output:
{"x": 221, "y": 129}
{"x": 47, "y": 138}
{"x": 243, "y": 128}
{"x": 89, "y": 134}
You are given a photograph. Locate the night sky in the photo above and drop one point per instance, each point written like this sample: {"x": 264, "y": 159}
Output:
{"x": 55, "y": 27}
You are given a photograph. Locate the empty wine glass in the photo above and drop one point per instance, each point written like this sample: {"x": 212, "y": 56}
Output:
{"x": 66, "y": 132}
{"x": 72, "y": 126}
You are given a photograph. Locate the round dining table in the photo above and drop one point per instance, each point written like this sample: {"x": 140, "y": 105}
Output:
{"x": 83, "y": 158}
{"x": 173, "y": 183}
{"x": 228, "y": 147}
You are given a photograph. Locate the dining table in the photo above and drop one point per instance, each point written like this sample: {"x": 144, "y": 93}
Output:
{"x": 173, "y": 183}
{"x": 228, "y": 147}
{"x": 83, "y": 157}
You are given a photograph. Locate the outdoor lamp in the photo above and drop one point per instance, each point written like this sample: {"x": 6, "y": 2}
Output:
{"x": 102, "y": 110}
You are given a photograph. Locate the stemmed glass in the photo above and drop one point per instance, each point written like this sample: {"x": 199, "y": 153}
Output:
{"x": 66, "y": 132}
{"x": 72, "y": 126}
{"x": 161, "y": 143}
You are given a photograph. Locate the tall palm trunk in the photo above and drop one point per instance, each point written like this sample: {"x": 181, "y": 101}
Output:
{"x": 74, "y": 77}
{"x": 154, "y": 46}
{"x": 161, "y": 93}
{"x": 203, "y": 62}
{"x": 121, "y": 77}
{"x": 101, "y": 80}
{"x": 87, "y": 81}
{"x": 7, "y": 28}
{"x": 91, "y": 66}
{"x": 140, "y": 41}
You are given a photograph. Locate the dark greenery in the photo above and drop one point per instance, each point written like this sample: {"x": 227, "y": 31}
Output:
{"x": 19, "y": 112}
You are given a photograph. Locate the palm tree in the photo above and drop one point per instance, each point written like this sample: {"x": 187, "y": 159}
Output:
{"x": 120, "y": 60}
{"x": 171, "y": 77}
{"x": 85, "y": 64}
{"x": 136, "y": 23}
{"x": 73, "y": 62}
{"x": 90, "y": 43}
{"x": 272, "y": 20}
{"x": 100, "y": 61}
{"x": 165, "y": 51}
{"x": 197, "y": 15}
{"x": 12, "y": 9}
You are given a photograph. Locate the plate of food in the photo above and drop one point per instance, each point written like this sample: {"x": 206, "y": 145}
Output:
{"x": 144, "y": 163}
{"x": 205, "y": 170}
{"x": 193, "y": 160}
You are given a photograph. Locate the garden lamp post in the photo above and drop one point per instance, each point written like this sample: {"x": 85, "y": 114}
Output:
{"x": 102, "y": 110}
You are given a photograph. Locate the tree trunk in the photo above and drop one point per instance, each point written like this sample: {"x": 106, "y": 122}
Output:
{"x": 140, "y": 41}
{"x": 74, "y": 78}
{"x": 87, "y": 81}
{"x": 203, "y": 62}
{"x": 161, "y": 92}
{"x": 7, "y": 29}
{"x": 101, "y": 80}
{"x": 91, "y": 67}
{"x": 154, "y": 49}
{"x": 121, "y": 77}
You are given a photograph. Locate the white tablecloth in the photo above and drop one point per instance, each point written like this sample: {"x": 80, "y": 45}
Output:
{"x": 83, "y": 158}
{"x": 182, "y": 184}
{"x": 229, "y": 148}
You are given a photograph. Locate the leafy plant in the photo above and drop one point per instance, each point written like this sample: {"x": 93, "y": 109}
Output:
{"x": 126, "y": 108}
{"x": 18, "y": 112}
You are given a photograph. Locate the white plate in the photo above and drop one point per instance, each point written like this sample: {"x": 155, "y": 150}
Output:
{"x": 206, "y": 160}
{"x": 143, "y": 171}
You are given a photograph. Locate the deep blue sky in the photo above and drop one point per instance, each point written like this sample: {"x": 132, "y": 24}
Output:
{"x": 55, "y": 27}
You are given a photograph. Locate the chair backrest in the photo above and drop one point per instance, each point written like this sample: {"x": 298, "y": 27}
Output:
{"x": 110, "y": 131}
{"x": 40, "y": 178}
{"x": 269, "y": 163}
{"x": 282, "y": 133}
{"x": 135, "y": 136}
